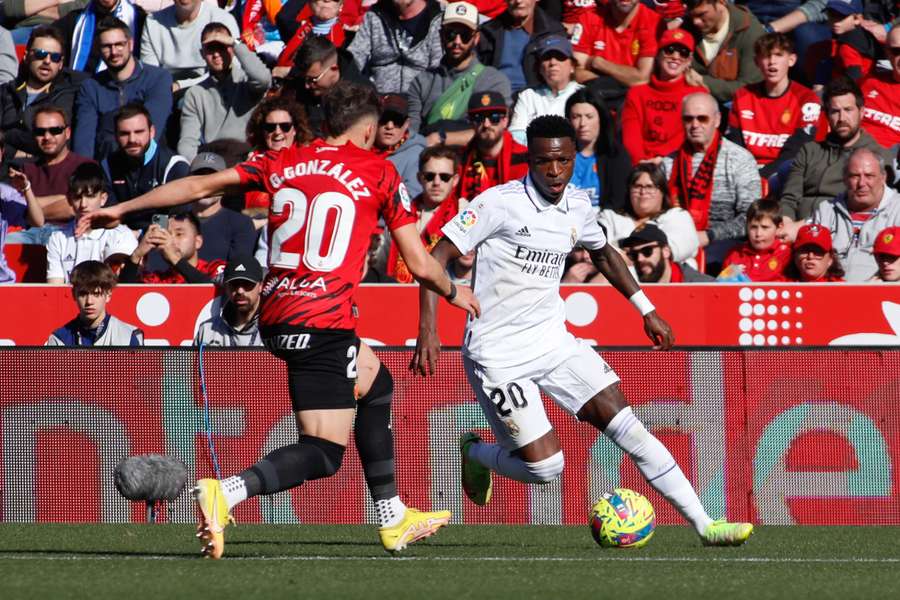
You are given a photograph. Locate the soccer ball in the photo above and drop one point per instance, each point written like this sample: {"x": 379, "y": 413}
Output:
{"x": 622, "y": 519}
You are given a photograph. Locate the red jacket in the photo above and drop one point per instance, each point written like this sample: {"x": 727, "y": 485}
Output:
{"x": 651, "y": 118}
{"x": 760, "y": 265}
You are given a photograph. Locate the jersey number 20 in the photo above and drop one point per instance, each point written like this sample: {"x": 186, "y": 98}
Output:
{"x": 324, "y": 247}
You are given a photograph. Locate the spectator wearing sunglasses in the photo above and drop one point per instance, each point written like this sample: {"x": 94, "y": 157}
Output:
{"x": 79, "y": 28}
{"x": 725, "y": 34}
{"x": 881, "y": 117}
{"x": 493, "y": 156}
{"x": 439, "y": 97}
{"x": 556, "y": 67}
{"x": 712, "y": 178}
{"x": 647, "y": 249}
{"x": 434, "y": 207}
{"x": 395, "y": 142}
{"x": 887, "y": 255}
{"x": 651, "y": 125}
{"x": 140, "y": 163}
{"x": 275, "y": 124}
{"x": 54, "y": 163}
{"x": 220, "y": 105}
{"x": 318, "y": 67}
{"x": 615, "y": 46}
{"x": 43, "y": 80}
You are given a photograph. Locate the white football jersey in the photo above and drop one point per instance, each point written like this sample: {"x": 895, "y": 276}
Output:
{"x": 521, "y": 244}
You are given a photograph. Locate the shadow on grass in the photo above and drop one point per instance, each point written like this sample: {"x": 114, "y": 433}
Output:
{"x": 124, "y": 554}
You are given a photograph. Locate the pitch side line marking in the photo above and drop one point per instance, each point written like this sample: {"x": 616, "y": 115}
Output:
{"x": 662, "y": 559}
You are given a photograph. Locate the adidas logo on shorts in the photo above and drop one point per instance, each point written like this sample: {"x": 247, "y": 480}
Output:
{"x": 524, "y": 232}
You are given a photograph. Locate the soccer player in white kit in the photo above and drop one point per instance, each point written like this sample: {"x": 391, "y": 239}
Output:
{"x": 522, "y": 232}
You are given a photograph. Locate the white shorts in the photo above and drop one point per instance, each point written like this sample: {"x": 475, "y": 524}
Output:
{"x": 510, "y": 398}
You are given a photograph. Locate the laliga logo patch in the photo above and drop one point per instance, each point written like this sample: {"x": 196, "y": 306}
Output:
{"x": 468, "y": 218}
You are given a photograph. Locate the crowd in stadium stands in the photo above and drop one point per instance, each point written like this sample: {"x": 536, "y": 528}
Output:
{"x": 741, "y": 140}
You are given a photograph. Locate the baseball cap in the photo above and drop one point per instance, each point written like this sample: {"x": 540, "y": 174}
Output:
{"x": 243, "y": 268}
{"x": 487, "y": 101}
{"x": 645, "y": 234}
{"x": 461, "y": 12}
{"x": 554, "y": 43}
{"x": 676, "y": 36}
{"x": 396, "y": 104}
{"x": 813, "y": 235}
{"x": 208, "y": 161}
{"x": 888, "y": 242}
{"x": 845, "y": 7}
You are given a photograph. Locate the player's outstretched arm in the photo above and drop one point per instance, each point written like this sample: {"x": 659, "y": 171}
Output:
{"x": 174, "y": 193}
{"x": 428, "y": 343}
{"x": 610, "y": 263}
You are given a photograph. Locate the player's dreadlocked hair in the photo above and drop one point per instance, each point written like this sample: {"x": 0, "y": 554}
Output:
{"x": 550, "y": 126}
{"x": 346, "y": 104}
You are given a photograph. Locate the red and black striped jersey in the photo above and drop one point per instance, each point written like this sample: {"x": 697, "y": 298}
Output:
{"x": 326, "y": 201}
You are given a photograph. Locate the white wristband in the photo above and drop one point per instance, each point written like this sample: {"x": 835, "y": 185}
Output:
{"x": 641, "y": 302}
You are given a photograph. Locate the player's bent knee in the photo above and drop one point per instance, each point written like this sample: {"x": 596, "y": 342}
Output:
{"x": 331, "y": 454}
{"x": 547, "y": 470}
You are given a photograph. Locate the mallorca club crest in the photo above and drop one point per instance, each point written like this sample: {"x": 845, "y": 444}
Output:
{"x": 485, "y": 100}
{"x": 786, "y": 116}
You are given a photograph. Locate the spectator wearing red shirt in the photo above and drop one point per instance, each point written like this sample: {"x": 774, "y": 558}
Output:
{"x": 887, "y": 255}
{"x": 853, "y": 49}
{"x": 651, "y": 118}
{"x": 881, "y": 115}
{"x": 614, "y": 47}
{"x": 814, "y": 259}
{"x": 763, "y": 257}
{"x": 493, "y": 156}
{"x": 434, "y": 207}
{"x": 776, "y": 116}
{"x": 573, "y": 10}
{"x": 178, "y": 243}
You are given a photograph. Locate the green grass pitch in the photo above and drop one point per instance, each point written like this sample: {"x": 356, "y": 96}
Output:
{"x": 127, "y": 562}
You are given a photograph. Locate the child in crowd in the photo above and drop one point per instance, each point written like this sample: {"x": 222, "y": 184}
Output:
{"x": 854, "y": 50}
{"x": 764, "y": 256}
{"x": 92, "y": 285}
{"x": 86, "y": 193}
{"x": 18, "y": 207}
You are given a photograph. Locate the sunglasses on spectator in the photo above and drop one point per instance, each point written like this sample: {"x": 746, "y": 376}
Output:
{"x": 429, "y": 176}
{"x": 676, "y": 49}
{"x": 42, "y": 131}
{"x": 810, "y": 249}
{"x": 464, "y": 35}
{"x": 702, "y": 119}
{"x": 646, "y": 252}
{"x": 284, "y": 127}
{"x": 210, "y": 47}
{"x": 39, "y": 54}
{"x": 893, "y": 50}
{"x": 310, "y": 81}
{"x": 885, "y": 258}
{"x": 494, "y": 117}
{"x": 391, "y": 117}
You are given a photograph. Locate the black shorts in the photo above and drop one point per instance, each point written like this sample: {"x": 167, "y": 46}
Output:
{"x": 321, "y": 364}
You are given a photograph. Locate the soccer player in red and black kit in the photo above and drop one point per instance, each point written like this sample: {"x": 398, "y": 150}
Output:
{"x": 326, "y": 200}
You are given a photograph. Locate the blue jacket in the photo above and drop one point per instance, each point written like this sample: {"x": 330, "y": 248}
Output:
{"x": 101, "y": 96}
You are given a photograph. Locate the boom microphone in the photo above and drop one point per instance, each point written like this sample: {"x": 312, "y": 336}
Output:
{"x": 150, "y": 478}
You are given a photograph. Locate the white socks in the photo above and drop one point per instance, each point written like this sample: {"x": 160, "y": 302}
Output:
{"x": 390, "y": 511}
{"x": 658, "y": 466}
{"x": 499, "y": 460}
{"x": 234, "y": 489}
